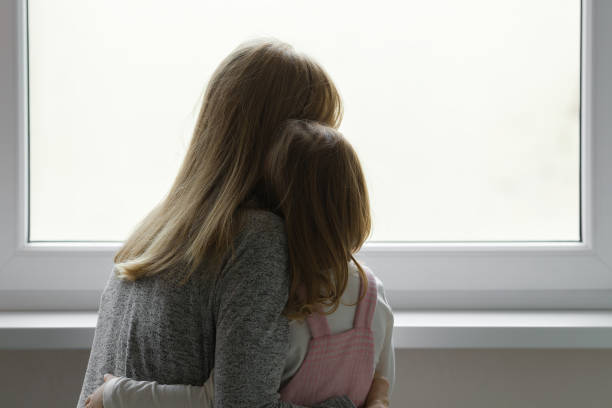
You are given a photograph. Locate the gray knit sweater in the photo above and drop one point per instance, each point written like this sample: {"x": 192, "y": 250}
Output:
{"x": 155, "y": 329}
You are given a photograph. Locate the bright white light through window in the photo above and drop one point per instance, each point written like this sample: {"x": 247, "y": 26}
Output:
{"x": 465, "y": 113}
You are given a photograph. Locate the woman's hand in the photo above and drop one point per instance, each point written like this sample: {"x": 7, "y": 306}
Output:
{"x": 95, "y": 399}
{"x": 378, "y": 397}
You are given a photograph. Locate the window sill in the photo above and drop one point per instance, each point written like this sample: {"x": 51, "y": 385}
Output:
{"x": 413, "y": 330}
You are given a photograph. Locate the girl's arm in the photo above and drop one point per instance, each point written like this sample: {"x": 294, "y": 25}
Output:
{"x": 386, "y": 360}
{"x": 122, "y": 392}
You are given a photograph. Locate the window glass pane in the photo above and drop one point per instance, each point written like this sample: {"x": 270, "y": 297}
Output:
{"x": 465, "y": 113}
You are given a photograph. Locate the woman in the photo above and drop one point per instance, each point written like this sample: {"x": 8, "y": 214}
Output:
{"x": 193, "y": 266}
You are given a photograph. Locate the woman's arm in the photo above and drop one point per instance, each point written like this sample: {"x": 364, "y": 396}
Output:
{"x": 252, "y": 335}
{"x": 123, "y": 392}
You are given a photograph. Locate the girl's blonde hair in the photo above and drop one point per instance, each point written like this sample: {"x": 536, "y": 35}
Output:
{"x": 254, "y": 90}
{"x": 314, "y": 177}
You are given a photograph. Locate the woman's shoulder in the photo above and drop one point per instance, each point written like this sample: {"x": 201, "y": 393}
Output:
{"x": 260, "y": 248}
{"x": 260, "y": 227}
{"x": 257, "y": 221}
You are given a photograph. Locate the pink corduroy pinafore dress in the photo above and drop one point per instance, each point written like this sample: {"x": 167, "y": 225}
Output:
{"x": 337, "y": 364}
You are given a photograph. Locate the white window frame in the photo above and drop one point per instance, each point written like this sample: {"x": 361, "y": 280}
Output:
{"x": 562, "y": 275}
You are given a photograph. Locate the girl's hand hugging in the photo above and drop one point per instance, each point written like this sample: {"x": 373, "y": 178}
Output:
{"x": 95, "y": 400}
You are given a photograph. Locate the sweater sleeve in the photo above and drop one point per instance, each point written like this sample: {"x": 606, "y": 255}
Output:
{"x": 252, "y": 335}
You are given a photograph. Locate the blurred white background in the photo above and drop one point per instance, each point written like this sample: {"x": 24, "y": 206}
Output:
{"x": 465, "y": 113}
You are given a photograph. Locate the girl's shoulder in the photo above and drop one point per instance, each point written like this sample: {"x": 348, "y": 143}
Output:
{"x": 355, "y": 276}
{"x": 354, "y": 282}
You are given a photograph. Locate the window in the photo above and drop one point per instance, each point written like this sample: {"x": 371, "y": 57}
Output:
{"x": 478, "y": 149}
{"x": 480, "y": 104}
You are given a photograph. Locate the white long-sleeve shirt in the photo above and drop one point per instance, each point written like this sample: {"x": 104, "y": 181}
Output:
{"x": 124, "y": 392}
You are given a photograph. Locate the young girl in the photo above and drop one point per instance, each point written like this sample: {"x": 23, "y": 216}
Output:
{"x": 313, "y": 179}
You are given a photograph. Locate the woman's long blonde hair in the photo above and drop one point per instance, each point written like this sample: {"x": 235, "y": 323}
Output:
{"x": 314, "y": 177}
{"x": 255, "y": 89}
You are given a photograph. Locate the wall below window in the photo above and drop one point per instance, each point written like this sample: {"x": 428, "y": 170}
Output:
{"x": 425, "y": 378}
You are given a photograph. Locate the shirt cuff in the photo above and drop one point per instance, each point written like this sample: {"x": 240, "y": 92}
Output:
{"x": 108, "y": 392}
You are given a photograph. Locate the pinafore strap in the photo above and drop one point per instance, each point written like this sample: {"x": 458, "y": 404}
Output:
{"x": 317, "y": 322}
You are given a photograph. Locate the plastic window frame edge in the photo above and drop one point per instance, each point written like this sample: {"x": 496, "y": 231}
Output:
{"x": 70, "y": 276}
